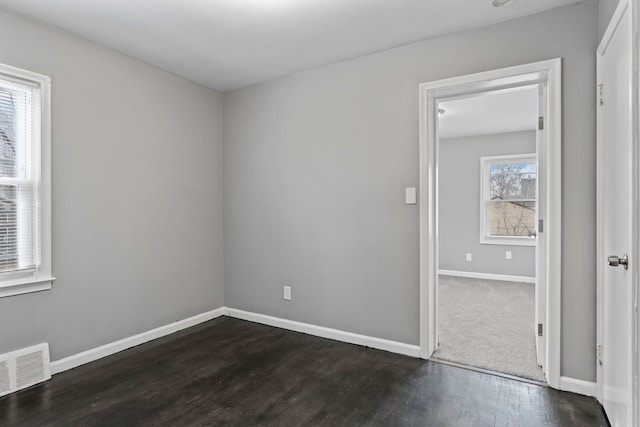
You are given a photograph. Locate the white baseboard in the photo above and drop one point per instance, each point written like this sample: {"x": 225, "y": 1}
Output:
{"x": 488, "y": 276}
{"x": 578, "y": 386}
{"x": 566, "y": 384}
{"x": 93, "y": 354}
{"x": 320, "y": 331}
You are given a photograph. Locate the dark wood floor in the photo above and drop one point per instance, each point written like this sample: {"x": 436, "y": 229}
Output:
{"x": 231, "y": 372}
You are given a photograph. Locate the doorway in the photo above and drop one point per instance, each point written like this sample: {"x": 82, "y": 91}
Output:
{"x": 487, "y": 231}
{"x": 542, "y": 76}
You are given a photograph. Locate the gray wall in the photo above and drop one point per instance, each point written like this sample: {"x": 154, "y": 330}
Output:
{"x": 315, "y": 169}
{"x": 459, "y": 197}
{"x": 606, "y": 9}
{"x": 137, "y": 192}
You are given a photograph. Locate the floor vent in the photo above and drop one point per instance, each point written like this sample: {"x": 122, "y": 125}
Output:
{"x": 23, "y": 368}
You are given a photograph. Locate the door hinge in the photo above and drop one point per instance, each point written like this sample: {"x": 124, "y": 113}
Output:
{"x": 540, "y": 123}
{"x": 539, "y": 329}
{"x": 600, "y": 96}
{"x": 599, "y": 354}
{"x": 540, "y": 225}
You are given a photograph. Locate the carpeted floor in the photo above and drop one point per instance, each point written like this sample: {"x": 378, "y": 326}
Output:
{"x": 488, "y": 324}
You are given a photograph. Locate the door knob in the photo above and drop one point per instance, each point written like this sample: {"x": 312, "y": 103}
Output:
{"x": 614, "y": 261}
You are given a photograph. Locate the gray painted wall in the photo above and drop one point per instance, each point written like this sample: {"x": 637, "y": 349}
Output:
{"x": 459, "y": 197}
{"x": 137, "y": 192}
{"x": 606, "y": 9}
{"x": 315, "y": 169}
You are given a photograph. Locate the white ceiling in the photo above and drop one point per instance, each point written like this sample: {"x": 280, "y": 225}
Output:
{"x": 489, "y": 113}
{"x": 228, "y": 44}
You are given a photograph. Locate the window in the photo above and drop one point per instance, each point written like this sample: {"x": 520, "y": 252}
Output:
{"x": 508, "y": 199}
{"x": 25, "y": 195}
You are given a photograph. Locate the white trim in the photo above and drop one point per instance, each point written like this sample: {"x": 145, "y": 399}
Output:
{"x": 574, "y": 385}
{"x": 13, "y": 73}
{"x": 94, "y": 354}
{"x": 508, "y": 241}
{"x": 97, "y": 353}
{"x": 25, "y": 286}
{"x": 553, "y": 223}
{"x": 612, "y": 26}
{"x": 538, "y": 73}
{"x": 428, "y": 222}
{"x": 321, "y": 331}
{"x": 487, "y": 276}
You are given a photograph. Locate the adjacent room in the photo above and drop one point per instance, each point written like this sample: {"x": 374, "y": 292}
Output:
{"x": 487, "y": 198}
{"x": 221, "y": 213}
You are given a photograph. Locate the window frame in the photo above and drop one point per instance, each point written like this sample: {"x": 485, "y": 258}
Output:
{"x": 40, "y": 278}
{"x": 485, "y": 191}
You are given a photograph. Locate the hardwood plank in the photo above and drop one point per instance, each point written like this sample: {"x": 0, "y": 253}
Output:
{"x": 232, "y": 372}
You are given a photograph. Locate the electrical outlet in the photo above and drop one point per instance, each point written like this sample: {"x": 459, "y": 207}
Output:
{"x": 507, "y": 255}
{"x": 469, "y": 257}
{"x": 287, "y": 293}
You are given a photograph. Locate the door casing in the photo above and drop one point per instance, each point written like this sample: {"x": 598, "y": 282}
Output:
{"x": 543, "y": 72}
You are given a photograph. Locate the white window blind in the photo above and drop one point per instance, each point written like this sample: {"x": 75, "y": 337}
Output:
{"x": 25, "y": 182}
{"x": 19, "y": 170}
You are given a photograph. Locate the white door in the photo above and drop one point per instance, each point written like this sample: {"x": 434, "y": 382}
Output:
{"x": 615, "y": 218}
{"x": 541, "y": 238}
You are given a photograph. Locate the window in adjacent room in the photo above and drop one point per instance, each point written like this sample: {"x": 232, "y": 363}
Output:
{"x": 25, "y": 190}
{"x": 508, "y": 199}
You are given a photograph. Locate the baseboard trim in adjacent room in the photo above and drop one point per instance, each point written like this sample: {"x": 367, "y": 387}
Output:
{"x": 321, "y": 331}
{"x": 93, "y": 354}
{"x": 488, "y": 276}
{"x": 578, "y": 386}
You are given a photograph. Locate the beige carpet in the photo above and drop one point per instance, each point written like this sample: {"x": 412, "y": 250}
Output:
{"x": 488, "y": 324}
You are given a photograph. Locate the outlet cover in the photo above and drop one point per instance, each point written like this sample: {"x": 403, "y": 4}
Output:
{"x": 469, "y": 257}
{"x": 507, "y": 255}
{"x": 287, "y": 293}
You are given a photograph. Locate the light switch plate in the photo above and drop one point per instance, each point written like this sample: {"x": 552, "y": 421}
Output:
{"x": 410, "y": 196}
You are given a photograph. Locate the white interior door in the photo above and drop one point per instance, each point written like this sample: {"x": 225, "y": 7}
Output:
{"x": 541, "y": 238}
{"x": 615, "y": 224}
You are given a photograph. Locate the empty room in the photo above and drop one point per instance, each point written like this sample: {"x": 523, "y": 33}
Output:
{"x": 283, "y": 213}
{"x": 487, "y": 193}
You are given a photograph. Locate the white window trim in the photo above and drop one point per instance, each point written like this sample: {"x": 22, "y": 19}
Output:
{"x": 41, "y": 278}
{"x": 485, "y": 162}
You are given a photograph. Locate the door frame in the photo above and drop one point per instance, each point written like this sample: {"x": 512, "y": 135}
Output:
{"x": 622, "y": 7}
{"x": 547, "y": 72}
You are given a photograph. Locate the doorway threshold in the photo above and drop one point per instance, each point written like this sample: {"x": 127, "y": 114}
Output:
{"x": 488, "y": 372}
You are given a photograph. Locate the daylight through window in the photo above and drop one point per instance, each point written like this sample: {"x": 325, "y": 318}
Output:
{"x": 18, "y": 204}
{"x": 25, "y": 251}
{"x": 509, "y": 198}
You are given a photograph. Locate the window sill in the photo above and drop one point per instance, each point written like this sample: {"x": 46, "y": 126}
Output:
{"x": 25, "y": 286}
{"x": 509, "y": 242}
